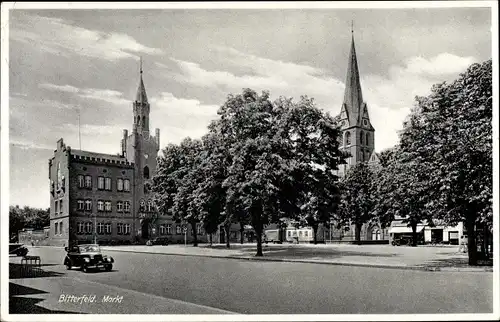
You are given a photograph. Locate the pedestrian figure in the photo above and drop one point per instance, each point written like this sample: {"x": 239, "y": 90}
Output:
{"x": 32, "y": 244}
{"x": 463, "y": 245}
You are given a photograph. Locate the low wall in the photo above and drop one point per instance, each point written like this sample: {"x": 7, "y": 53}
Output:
{"x": 362, "y": 242}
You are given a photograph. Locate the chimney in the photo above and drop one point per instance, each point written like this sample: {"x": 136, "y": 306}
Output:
{"x": 124, "y": 143}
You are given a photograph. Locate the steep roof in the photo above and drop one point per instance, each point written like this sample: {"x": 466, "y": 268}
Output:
{"x": 353, "y": 97}
{"x": 141, "y": 96}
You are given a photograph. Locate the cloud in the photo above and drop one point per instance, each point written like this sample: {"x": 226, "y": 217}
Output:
{"x": 107, "y": 95}
{"x": 279, "y": 77}
{"x": 389, "y": 98}
{"x": 27, "y": 145}
{"x": 57, "y": 36}
{"x": 442, "y": 64}
{"x": 60, "y": 88}
{"x": 178, "y": 118}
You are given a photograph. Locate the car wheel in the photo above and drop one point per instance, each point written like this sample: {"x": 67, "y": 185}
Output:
{"x": 85, "y": 268}
{"x": 109, "y": 267}
{"x": 68, "y": 266}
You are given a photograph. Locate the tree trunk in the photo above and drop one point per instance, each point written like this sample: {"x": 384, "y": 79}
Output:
{"x": 414, "y": 234}
{"x": 226, "y": 230}
{"x": 210, "y": 237}
{"x": 315, "y": 232}
{"x": 258, "y": 232}
{"x": 195, "y": 234}
{"x": 357, "y": 233}
{"x": 242, "y": 230}
{"x": 471, "y": 240}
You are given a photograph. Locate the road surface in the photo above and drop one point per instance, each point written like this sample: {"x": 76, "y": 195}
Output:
{"x": 171, "y": 284}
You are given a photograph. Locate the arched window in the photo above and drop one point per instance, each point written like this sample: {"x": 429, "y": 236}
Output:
{"x": 142, "y": 206}
{"x": 139, "y": 120}
{"x": 378, "y": 235}
{"x": 367, "y": 139}
{"x": 347, "y": 138}
{"x": 361, "y": 137}
{"x": 361, "y": 156}
{"x": 150, "y": 205}
{"x": 146, "y": 172}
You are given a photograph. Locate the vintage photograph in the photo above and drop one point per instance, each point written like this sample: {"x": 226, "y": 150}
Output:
{"x": 197, "y": 160}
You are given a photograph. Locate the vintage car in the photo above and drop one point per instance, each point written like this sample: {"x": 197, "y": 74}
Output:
{"x": 159, "y": 241}
{"x": 17, "y": 249}
{"x": 87, "y": 256}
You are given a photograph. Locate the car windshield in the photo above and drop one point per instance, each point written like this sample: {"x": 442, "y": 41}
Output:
{"x": 89, "y": 248}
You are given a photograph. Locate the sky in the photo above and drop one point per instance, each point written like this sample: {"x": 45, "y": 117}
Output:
{"x": 65, "y": 63}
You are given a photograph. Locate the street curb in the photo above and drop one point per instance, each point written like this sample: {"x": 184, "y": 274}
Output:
{"x": 271, "y": 259}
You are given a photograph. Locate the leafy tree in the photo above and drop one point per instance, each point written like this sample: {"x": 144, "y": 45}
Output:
{"x": 176, "y": 182}
{"x": 357, "y": 202}
{"x": 450, "y": 131}
{"x": 312, "y": 138}
{"x": 27, "y": 217}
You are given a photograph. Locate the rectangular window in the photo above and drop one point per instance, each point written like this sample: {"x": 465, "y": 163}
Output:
{"x": 88, "y": 205}
{"x": 61, "y": 228}
{"x": 107, "y": 205}
{"x": 81, "y": 181}
{"x": 108, "y": 228}
{"x": 56, "y": 226}
{"x": 100, "y": 205}
{"x": 199, "y": 229}
{"x": 306, "y": 233}
{"x": 80, "y": 204}
{"x": 127, "y": 229}
{"x": 119, "y": 228}
{"x": 162, "y": 229}
{"x": 88, "y": 182}
{"x": 61, "y": 207}
{"x": 107, "y": 185}
{"x": 100, "y": 228}
{"x": 300, "y": 233}
{"x": 88, "y": 228}
{"x": 100, "y": 183}
{"x": 127, "y": 206}
{"x": 126, "y": 185}
{"x": 56, "y": 207}
{"x": 80, "y": 228}
{"x": 119, "y": 206}
{"x": 178, "y": 229}
{"x": 119, "y": 185}
{"x": 169, "y": 229}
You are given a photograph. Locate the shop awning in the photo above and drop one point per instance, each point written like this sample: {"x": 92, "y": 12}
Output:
{"x": 404, "y": 230}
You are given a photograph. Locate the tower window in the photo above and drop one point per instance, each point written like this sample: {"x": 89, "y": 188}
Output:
{"x": 367, "y": 138}
{"x": 139, "y": 120}
{"x": 347, "y": 138}
{"x": 361, "y": 137}
{"x": 146, "y": 172}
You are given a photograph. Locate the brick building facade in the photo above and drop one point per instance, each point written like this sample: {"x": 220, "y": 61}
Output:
{"x": 104, "y": 197}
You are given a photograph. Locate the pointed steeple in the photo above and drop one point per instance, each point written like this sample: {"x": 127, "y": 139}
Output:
{"x": 353, "y": 98}
{"x": 141, "y": 96}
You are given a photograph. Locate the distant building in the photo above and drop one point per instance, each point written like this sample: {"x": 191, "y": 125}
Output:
{"x": 105, "y": 196}
{"x": 358, "y": 139}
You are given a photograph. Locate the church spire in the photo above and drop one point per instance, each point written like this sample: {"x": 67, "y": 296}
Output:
{"x": 141, "y": 96}
{"x": 353, "y": 98}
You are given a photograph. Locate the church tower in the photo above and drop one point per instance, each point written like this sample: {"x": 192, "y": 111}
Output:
{"x": 142, "y": 149}
{"x": 358, "y": 134}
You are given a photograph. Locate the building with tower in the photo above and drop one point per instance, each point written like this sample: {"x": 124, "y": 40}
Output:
{"x": 358, "y": 140}
{"x": 104, "y": 198}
